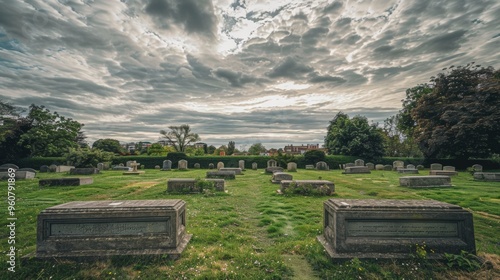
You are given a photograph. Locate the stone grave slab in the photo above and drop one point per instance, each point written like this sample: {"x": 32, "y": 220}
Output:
{"x": 83, "y": 171}
{"x": 221, "y": 175}
{"x": 112, "y": 227}
{"x": 359, "y": 162}
{"x": 18, "y": 175}
{"x": 122, "y": 168}
{"x": 188, "y": 185}
{"x": 284, "y": 184}
{"x": 443, "y": 172}
{"x": 236, "y": 171}
{"x": 425, "y": 181}
{"x": 487, "y": 176}
{"x": 356, "y": 170}
{"x": 408, "y": 171}
{"x": 64, "y": 168}
{"x": 75, "y": 181}
{"x": 387, "y": 229}
{"x": 272, "y": 169}
{"x": 279, "y": 176}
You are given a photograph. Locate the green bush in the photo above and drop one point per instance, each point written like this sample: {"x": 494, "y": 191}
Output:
{"x": 86, "y": 157}
{"x": 464, "y": 261}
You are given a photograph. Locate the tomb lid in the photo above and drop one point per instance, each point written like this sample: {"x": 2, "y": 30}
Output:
{"x": 390, "y": 203}
{"x": 96, "y": 206}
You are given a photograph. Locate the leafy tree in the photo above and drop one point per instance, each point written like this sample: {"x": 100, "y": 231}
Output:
{"x": 313, "y": 156}
{"x": 180, "y": 136}
{"x": 156, "y": 149}
{"x": 256, "y": 149}
{"x": 50, "y": 134}
{"x": 86, "y": 157}
{"x": 404, "y": 121}
{"x": 108, "y": 145}
{"x": 460, "y": 118}
{"x": 205, "y": 148}
{"x": 354, "y": 137}
{"x": 211, "y": 149}
{"x": 230, "y": 148}
{"x": 396, "y": 143}
{"x": 9, "y": 119}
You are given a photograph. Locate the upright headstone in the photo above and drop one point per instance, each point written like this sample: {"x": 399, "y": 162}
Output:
{"x": 211, "y": 166}
{"x": 359, "y": 162}
{"x": 398, "y": 164}
{"x": 449, "y": 168}
{"x": 254, "y": 165}
{"x": 197, "y": 166}
{"x": 272, "y": 163}
{"x": 436, "y": 166}
{"x": 167, "y": 165}
{"x": 379, "y": 167}
{"x": 182, "y": 164}
{"x": 241, "y": 164}
{"x": 349, "y": 164}
{"x": 387, "y": 167}
{"x": 420, "y": 167}
{"x": 157, "y": 167}
{"x": 410, "y": 166}
{"x": 321, "y": 165}
{"x": 100, "y": 166}
{"x": 370, "y": 166}
{"x": 44, "y": 169}
{"x": 291, "y": 167}
{"x": 477, "y": 168}
{"x": 220, "y": 165}
{"x": 52, "y": 168}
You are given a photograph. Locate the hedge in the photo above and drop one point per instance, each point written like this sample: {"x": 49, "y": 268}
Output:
{"x": 232, "y": 161}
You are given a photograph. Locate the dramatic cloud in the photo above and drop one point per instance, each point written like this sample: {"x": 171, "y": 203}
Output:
{"x": 265, "y": 71}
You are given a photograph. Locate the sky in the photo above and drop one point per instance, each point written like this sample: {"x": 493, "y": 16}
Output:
{"x": 250, "y": 71}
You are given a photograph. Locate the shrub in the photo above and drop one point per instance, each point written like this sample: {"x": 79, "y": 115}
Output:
{"x": 86, "y": 157}
{"x": 312, "y": 157}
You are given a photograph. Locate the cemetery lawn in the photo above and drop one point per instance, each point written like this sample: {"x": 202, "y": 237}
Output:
{"x": 251, "y": 232}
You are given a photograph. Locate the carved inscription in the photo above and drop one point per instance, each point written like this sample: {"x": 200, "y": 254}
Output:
{"x": 401, "y": 229}
{"x": 109, "y": 228}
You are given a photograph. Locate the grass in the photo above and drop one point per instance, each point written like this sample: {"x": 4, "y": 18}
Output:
{"x": 251, "y": 232}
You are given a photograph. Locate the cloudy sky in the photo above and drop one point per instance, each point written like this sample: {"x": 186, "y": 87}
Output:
{"x": 250, "y": 71}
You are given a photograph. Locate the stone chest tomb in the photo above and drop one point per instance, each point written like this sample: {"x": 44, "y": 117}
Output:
{"x": 107, "y": 228}
{"x": 369, "y": 228}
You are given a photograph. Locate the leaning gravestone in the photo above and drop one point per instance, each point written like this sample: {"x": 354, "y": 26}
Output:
{"x": 321, "y": 165}
{"x": 241, "y": 164}
{"x": 112, "y": 227}
{"x": 291, "y": 167}
{"x": 44, "y": 169}
{"x": 182, "y": 164}
{"x": 254, "y": 166}
{"x": 436, "y": 166}
{"x": 220, "y": 165}
{"x": 369, "y": 228}
{"x": 167, "y": 165}
{"x": 398, "y": 164}
{"x": 359, "y": 162}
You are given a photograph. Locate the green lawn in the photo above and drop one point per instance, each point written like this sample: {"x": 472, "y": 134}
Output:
{"x": 250, "y": 232}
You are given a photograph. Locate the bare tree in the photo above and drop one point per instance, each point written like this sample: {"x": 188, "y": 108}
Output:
{"x": 180, "y": 137}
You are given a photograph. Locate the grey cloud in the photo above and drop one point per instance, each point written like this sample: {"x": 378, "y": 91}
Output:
{"x": 316, "y": 78}
{"x": 236, "y": 79}
{"x": 289, "y": 68}
{"x": 443, "y": 43}
{"x": 312, "y": 35}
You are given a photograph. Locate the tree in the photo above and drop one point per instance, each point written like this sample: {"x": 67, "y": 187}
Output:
{"x": 460, "y": 117}
{"x": 85, "y": 157}
{"x": 354, "y": 137}
{"x": 156, "y": 149}
{"x": 230, "y": 148}
{"x": 313, "y": 156}
{"x": 180, "y": 136}
{"x": 211, "y": 150}
{"x": 109, "y": 145}
{"x": 396, "y": 142}
{"x": 50, "y": 134}
{"x": 256, "y": 149}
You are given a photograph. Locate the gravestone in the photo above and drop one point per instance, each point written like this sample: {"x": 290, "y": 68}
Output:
{"x": 315, "y": 184}
{"x": 410, "y": 166}
{"x": 408, "y": 171}
{"x": 188, "y": 185}
{"x": 134, "y": 170}
{"x": 157, "y": 167}
{"x": 241, "y": 164}
{"x": 420, "y": 167}
{"x": 122, "y": 168}
{"x": 309, "y": 167}
{"x": 279, "y": 176}
{"x": 359, "y": 162}
{"x": 236, "y": 171}
{"x": 379, "y": 167}
{"x": 349, "y": 164}
{"x": 448, "y": 168}
{"x": 182, "y": 164}
{"x": 63, "y": 168}
{"x": 52, "y": 168}
{"x": 390, "y": 229}
{"x": 321, "y": 165}
{"x": 220, "y": 165}
{"x": 167, "y": 165}
{"x": 425, "y": 181}
{"x": 477, "y": 168}
{"x": 436, "y": 166}
{"x": 272, "y": 169}
{"x": 112, "y": 227}
{"x": 272, "y": 163}
{"x": 387, "y": 167}
{"x": 83, "y": 171}
{"x": 219, "y": 184}
{"x": 65, "y": 182}
{"x": 443, "y": 172}
{"x": 291, "y": 167}
{"x": 370, "y": 166}
{"x": 100, "y": 166}
{"x": 487, "y": 176}
{"x": 5, "y": 167}
{"x": 18, "y": 175}
{"x": 197, "y": 166}
{"x": 254, "y": 166}
{"x": 398, "y": 164}
{"x": 44, "y": 169}
{"x": 356, "y": 170}
{"x": 128, "y": 163}
{"x": 211, "y": 166}
{"x": 221, "y": 175}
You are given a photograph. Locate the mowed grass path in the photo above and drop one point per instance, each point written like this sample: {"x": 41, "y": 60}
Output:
{"x": 249, "y": 232}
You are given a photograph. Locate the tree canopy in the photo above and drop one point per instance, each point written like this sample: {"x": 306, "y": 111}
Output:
{"x": 256, "y": 149}
{"x": 461, "y": 116}
{"x": 231, "y": 146}
{"x": 354, "y": 137}
{"x": 180, "y": 137}
{"x": 108, "y": 145}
